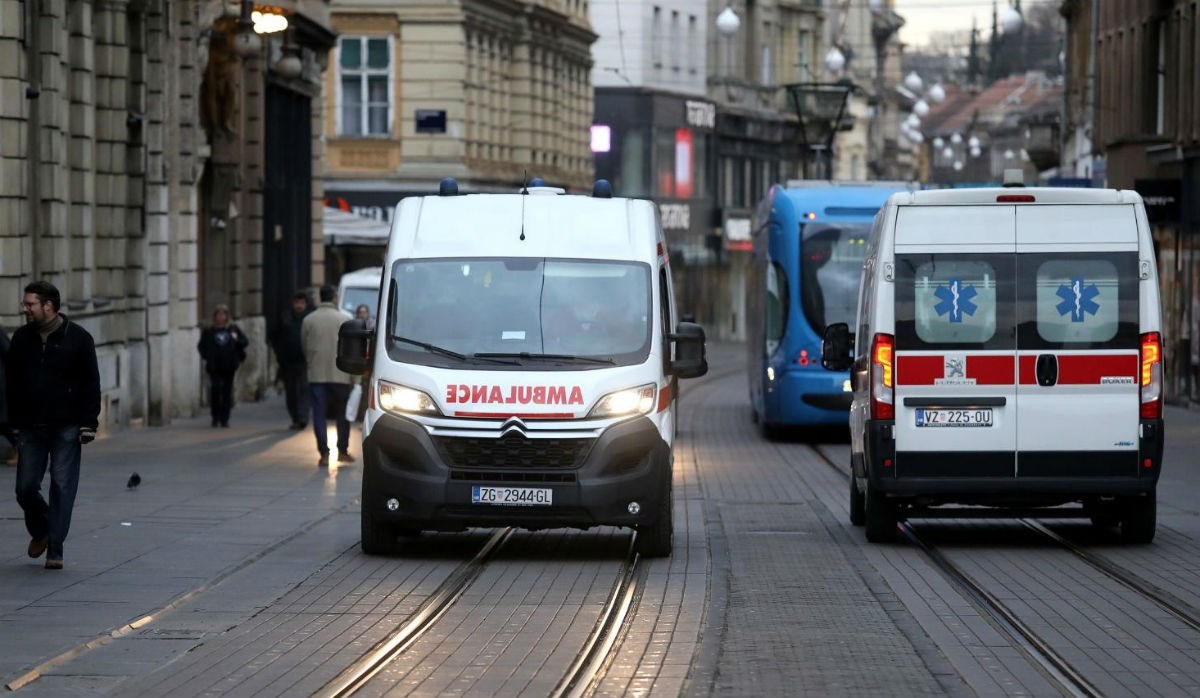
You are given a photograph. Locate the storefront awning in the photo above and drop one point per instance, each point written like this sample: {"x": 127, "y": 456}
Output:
{"x": 345, "y": 228}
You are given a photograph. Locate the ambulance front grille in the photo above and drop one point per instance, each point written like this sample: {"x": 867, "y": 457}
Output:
{"x": 512, "y": 451}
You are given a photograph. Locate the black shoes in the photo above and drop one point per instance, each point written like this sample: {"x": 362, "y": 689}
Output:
{"x": 37, "y": 546}
{"x": 297, "y": 426}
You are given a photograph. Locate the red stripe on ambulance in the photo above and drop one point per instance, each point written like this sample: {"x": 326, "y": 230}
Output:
{"x": 992, "y": 369}
{"x": 988, "y": 369}
{"x": 919, "y": 370}
{"x": 1083, "y": 369}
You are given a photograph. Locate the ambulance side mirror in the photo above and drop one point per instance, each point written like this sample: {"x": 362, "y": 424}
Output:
{"x": 354, "y": 347}
{"x": 836, "y": 347}
{"x": 690, "y": 360}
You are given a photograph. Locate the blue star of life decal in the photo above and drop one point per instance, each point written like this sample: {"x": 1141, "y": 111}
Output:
{"x": 1078, "y": 299}
{"x": 955, "y": 300}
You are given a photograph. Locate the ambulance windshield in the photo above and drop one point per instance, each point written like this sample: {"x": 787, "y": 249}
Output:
{"x": 509, "y": 306}
{"x": 831, "y": 259}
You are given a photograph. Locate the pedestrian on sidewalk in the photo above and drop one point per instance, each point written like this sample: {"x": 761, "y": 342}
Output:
{"x": 222, "y": 346}
{"x": 54, "y": 407}
{"x": 328, "y": 386}
{"x": 289, "y": 353}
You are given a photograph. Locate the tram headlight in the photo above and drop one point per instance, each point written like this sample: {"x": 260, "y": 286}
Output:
{"x": 402, "y": 400}
{"x": 623, "y": 403}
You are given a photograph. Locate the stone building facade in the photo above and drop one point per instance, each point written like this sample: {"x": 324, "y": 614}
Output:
{"x": 1133, "y": 91}
{"x": 132, "y": 172}
{"x": 485, "y": 92}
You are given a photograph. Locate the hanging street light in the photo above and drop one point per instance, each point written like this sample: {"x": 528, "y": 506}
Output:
{"x": 819, "y": 107}
{"x": 835, "y": 60}
{"x": 728, "y": 22}
{"x": 1011, "y": 20}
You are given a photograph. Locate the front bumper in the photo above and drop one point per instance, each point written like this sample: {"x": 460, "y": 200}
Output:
{"x": 593, "y": 483}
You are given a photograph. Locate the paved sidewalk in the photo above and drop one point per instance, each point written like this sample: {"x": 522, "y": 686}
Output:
{"x": 210, "y": 503}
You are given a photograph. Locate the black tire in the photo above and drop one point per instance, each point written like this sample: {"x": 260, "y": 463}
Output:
{"x": 377, "y": 538}
{"x": 656, "y": 539}
{"x": 879, "y": 516}
{"x": 1139, "y": 518}
{"x": 1104, "y": 515}
{"x": 858, "y": 505}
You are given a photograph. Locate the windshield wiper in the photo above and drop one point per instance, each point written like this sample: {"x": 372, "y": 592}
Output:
{"x": 443, "y": 351}
{"x": 547, "y": 357}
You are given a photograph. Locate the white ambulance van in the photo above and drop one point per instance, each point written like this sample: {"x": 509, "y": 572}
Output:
{"x": 524, "y": 367}
{"x": 1007, "y": 357}
{"x": 359, "y": 287}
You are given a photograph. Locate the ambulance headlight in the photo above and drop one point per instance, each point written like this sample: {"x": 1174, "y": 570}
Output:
{"x": 623, "y": 403}
{"x": 400, "y": 399}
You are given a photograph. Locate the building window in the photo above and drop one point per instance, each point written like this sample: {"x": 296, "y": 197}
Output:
{"x": 802, "y": 55}
{"x": 364, "y": 74}
{"x": 656, "y": 38}
{"x": 693, "y": 45}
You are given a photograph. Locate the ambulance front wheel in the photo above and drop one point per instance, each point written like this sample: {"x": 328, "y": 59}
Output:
{"x": 1139, "y": 517}
{"x": 655, "y": 540}
{"x": 879, "y": 516}
{"x": 378, "y": 538}
{"x": 858, "y": 504}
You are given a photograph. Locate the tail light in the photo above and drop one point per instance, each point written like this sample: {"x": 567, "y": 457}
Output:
{"x": 1152, "y": 377}
{"x": 883, "y": 377}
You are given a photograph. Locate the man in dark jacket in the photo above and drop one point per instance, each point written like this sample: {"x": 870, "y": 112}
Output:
{"x": 5, "y": 429}
{"x": 54, "y": 407}
{"x": 289, "y": 352}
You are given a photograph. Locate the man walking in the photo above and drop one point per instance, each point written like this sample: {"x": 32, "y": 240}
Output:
{"x": 289, "y": 352}
{"x": 328, "y": 386}
{"x": 54, "y": 407}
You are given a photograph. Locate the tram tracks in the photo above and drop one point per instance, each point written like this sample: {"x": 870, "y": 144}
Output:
{"x": 1066, "y": 677}
{"x": 580, "y": 676}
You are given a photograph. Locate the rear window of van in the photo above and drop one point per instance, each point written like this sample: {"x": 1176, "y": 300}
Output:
{"x": 954, "y": 301}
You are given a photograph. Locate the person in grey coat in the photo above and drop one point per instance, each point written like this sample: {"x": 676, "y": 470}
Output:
{"x": 329, "y": 387}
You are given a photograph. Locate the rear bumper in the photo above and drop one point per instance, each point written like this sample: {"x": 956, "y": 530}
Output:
{"x": 1008, "y": 478}
{"x": 627, "y": 462}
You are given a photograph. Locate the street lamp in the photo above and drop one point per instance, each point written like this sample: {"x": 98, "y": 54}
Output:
{"x": 819, "y": 107}
{"x": 910, "y": 128}
{"x": 1011, "y": 20}
{"x": 728, "y": 25}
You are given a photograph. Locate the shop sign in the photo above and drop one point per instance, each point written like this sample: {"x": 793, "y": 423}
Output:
{"x": 675, "y": 216}
{"x": 700, "y": 114}
{"x": 376, "y": 205}
{"x": 1161, "y": 197}
{"x": 737, "y": 234}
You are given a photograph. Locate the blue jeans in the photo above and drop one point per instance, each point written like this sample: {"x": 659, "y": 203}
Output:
{"x": 332, "y": 396}
{"x": 59, "y": 448}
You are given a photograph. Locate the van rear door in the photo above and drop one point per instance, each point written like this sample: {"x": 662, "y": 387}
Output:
{"x": 1077, "y": 340}
{"x": 955, "y": 344}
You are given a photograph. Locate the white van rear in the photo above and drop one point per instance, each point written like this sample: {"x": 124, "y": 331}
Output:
{"x": 523, "y": 369}
{"x": 360, "y": 287}
{"x": 1007, "y": 354}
